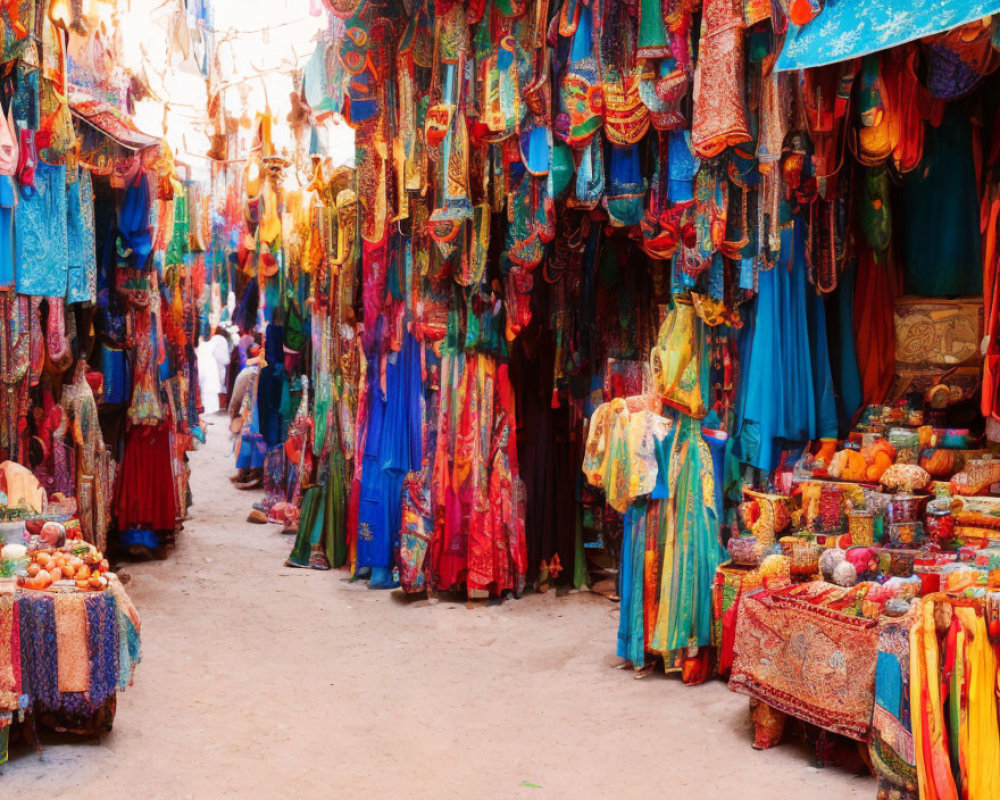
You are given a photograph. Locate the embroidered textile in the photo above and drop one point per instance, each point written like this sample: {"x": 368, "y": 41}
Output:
{"x": 799, "y": 652}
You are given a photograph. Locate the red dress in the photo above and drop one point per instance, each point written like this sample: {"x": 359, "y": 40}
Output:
{"x": 146, "y": 497}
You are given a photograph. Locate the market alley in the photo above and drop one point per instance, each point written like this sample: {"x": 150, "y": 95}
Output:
{"x": 262, "y": 681}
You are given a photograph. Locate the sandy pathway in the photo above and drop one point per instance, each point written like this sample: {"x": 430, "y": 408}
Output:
{"x": 263, "y": 682}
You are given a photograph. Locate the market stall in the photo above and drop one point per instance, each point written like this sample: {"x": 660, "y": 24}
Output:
{"x": 69, "y": 635}
{"x": 702, "y": 287}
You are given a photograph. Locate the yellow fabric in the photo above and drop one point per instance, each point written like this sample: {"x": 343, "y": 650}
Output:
{"x": 934, "y": 778}
{"x": 676, "y": 360}
{"x": 71, "y": 639}
{"x": 270, "y": 225}
{"x": 981, "y": 743}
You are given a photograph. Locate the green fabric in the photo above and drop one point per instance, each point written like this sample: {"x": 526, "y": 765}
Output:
{"x": 336, "y": 509}
{"x": 875, "y": 210}
{"x": 563, "y": 168}
{"x": 179, "y": 242}
{"x": 581, "y": 576}
{"x": 652, "y": 31}
{"x": 696, "y": 551}
{"x": 295, "y": 338}
{"x": 310, "y": 525}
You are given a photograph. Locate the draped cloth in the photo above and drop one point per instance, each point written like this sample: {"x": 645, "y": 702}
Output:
{"x": 799, "y": 651}
{"x": 719, "y": 119}
{"x": 874, "y": 331}
{"x": 10, "y": 654}
{"x": 691, "y": 550}
{"x": 631, "y": 578}
{"x": 848, "y": 29}
{"x": 71, "y": 634}
{"x": 934, "y": 774}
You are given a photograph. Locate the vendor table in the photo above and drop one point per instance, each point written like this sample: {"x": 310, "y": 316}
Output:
{"x": 64, "y": 655}
{"x": 808, "y": 651}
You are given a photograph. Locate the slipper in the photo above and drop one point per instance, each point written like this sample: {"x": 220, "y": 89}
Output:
{"x": 257, "y": 517}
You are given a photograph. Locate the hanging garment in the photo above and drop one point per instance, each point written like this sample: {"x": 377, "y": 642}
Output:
{"x": 719, "y": 119}
{"x": 934, "y": 774}
{"x": 626, "y": 189}
{"x": 580, "y": 93}
{"x": 784, "y": 396}
{"x": 40, "y": 234}
{"x": 942, "y": 255}
{"x": 81, "y": 240}
{"x": 392, "y": 449}
{"x": 874, "y": 332}
{"x": 8, "y": 200}
{"x": 679, "y": 363}
{"x": 146, "y": 497}
{"x": 684, "y": 617}
{"x": 631, "y": 630}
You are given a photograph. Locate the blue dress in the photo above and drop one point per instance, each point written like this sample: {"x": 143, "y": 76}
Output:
{"x": 82, "y": 275}
{"x": 789, "y": 398}
{"x": 40, "y": 234}
{"x": 272, "y": 387}
{"x": 392, "y": 449}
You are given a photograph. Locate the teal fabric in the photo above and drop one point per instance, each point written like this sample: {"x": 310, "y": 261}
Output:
{"x": 938, "y": 215}
{"x": 40, "y": 233}
{"x": 632, "y": 568}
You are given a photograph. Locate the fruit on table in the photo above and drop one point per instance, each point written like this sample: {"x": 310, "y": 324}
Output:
{"x": 83, "y": 564}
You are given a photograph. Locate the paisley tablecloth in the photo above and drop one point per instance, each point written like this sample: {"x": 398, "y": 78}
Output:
{"x": 803, "y": 651}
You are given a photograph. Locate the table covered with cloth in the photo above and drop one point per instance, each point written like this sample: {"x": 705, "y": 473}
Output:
{"x": 808, "y": 651}
{"x": 64, "y": 656}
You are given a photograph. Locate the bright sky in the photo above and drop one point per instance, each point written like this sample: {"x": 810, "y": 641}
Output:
{"x": 260, "y": 44}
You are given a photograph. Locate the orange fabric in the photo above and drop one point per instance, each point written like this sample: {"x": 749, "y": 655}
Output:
{"x": 989, "y": 217}
{"x": 71, "y": 642}
{"x": 915, "y": 105}
{"x": 874, "y": 328}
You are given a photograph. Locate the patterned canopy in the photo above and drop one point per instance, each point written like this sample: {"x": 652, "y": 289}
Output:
{"x": 847, "y": 29}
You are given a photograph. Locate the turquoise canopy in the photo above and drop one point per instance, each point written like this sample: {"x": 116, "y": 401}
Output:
{"x": 847, "y": 29}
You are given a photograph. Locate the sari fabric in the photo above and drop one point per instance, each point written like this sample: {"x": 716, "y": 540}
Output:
{"x": 631, "y": 630}
{"x": 41, "y": 235}
{"x": 392, "y": 449}
{"x": 934, "y": 774}
{"x": 684, "y": 618}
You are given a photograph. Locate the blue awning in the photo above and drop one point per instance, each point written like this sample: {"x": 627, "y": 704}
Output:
{"x": 847, "y": 29}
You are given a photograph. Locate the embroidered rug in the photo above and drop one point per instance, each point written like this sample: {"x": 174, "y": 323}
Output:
{"x": 801, "y": 651}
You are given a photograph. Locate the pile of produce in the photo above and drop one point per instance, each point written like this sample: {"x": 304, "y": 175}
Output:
{"x": 80, "y": 564}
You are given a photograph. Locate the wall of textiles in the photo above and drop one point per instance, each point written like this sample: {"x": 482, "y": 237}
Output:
{"x": 613, "y": 235}
{"x": 98, "y": 284}
{"x": 935, "y": 720}
{"x": 501, "y": 251}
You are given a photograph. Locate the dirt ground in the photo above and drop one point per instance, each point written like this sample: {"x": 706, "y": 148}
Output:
{"x": 260, "y": 681}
